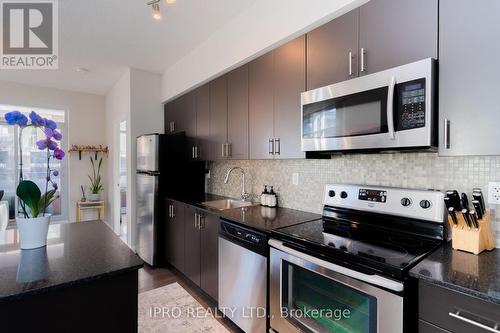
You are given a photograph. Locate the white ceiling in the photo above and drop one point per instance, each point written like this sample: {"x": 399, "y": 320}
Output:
{"x": 106, "y": 36}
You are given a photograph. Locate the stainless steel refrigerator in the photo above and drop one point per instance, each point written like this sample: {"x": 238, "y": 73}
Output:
{"x": 163, "y": 171}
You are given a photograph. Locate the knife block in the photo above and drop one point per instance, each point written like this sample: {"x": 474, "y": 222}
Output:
{"x": 474, "y": 241}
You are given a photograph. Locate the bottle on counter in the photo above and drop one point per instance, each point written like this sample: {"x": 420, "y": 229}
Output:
{"x": 273, "y": 198}
{"x": 263, "y": 196}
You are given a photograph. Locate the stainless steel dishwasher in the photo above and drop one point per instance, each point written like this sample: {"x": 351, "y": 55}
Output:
{"x": 243, "y": 276}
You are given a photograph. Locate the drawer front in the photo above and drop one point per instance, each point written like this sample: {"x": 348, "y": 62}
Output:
{"x": 455, "y": 311}
{"x": 425, "y": 327}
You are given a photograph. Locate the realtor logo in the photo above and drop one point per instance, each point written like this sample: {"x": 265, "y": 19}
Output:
{"x": 29, "y": 35}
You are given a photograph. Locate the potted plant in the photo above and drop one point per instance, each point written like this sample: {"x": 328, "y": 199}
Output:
{"x": 33, "y": 223}
{"x": 95, "y": 181}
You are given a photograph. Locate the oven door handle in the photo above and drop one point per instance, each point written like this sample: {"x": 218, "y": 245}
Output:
{"x": 373, "y": 279}
{"x": 390, "y": 108}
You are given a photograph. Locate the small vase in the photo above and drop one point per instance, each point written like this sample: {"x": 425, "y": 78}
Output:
{"x": 33, "y": 231}
{"x": 94, "y": 196}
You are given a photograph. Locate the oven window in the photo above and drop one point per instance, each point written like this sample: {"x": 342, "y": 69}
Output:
{"x": 352, "y": 115}
{"x": 316, "y": 303}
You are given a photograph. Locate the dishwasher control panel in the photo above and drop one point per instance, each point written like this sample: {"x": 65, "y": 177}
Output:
{"x": 243, "y": 235}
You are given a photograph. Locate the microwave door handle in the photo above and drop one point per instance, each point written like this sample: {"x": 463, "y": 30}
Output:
{"x": 390, "y": 108}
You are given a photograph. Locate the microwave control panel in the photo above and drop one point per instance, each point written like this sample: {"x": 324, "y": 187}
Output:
{"x": 411, "y": 104}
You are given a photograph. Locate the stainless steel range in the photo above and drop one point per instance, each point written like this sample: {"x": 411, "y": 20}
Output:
{"x": 348, "y": 272}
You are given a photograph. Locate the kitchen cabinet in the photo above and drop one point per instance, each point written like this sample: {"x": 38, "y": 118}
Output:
{"x": 192, "y": 245}
{"x": 396, "y": 32}
{"x": 261, "y": 106}
{"x": 180, "y": 115}
{"x": 276, "y": 80}
{"x": 332, "y": 51}
{"x": 218, "y": 118}
{"x": 202, "y": 146}
{"x": 209, "y": 244}
{"x": 441, "y": 310}
{"x": 290, "y": 81}
{"x": 237, "y": 113}
{"x": 174, "y": 233}
{"x": 468, "y": 78}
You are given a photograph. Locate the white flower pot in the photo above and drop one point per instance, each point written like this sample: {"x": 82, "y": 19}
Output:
{"x": 33, "y": 231}
{"x": 94, "y": 196}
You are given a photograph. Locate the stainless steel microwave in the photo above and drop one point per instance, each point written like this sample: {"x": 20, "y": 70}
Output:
{"x": 393, "y": 109}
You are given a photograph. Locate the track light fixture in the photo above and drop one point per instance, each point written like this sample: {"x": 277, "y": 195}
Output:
{"x": 155, "y": 6}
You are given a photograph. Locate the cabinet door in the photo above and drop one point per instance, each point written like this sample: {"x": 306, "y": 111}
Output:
{"x": 177, "y": 114}
{"x": 168, "y": 115}
{"x": 289, "y": 82}
{"x": 237, "y": 113}
{"x": 203, "y": 121}
{"x": 329, "y": 48}
{"x": 210, "y": 254}
{"x": 174, "y": 234}
{"x": 397, "y": 32}
{"x": 468, "y": 77}
{"x": 191, "y": 245}
{"x": 218, "y": 117}
{"x": 261, "y": 106}
{"x": 189, "y": 123}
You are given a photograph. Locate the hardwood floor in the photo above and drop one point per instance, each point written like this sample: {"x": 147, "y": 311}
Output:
{"x": 151, "y": 278}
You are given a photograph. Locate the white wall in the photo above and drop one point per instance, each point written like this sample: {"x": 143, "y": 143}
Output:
{"x": 85, "y": 124}
{"x": 263, "y": 26}
{"x": 136, "y": 97}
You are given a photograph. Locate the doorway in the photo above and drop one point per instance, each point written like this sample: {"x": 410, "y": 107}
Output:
{"x": 122, "y": 185}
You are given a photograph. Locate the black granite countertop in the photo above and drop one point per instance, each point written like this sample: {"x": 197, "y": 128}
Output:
{"x": 256, "y": 216}
{"x": 76, "y": 252}
{"x": 475, "y": 275}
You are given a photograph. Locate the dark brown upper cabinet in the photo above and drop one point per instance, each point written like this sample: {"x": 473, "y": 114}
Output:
{"x": 332, "y": 51}
{"x": 180, "y": 115}
{"x": 218, "y": 118}
{"x": 289, "y": 83}
{"x": 396, "y": 32}
{"x": 261, "y": 106}
{"x": 202, "y": 146}
{"x": 237, "y": 114}
{"x": 276, "y": 81}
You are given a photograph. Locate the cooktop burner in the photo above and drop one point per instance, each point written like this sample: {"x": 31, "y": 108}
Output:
{"x": 388, "y": 251}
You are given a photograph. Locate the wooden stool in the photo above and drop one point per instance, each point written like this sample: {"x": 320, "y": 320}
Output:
{"x": 85, "y": 205}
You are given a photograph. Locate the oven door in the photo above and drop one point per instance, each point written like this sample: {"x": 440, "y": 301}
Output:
{"x": 364, "y": 113}
{"x": 308, "y": 294}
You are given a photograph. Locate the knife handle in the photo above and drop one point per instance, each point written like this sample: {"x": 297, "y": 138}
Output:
{"x": 473, "y": 218}
{"x": 478, "y": 209}
{"x": 479, "y": 197}
{"x": 465, "y": 201}
{"x": 465, "y": 214}
{"x": 448, "y": 203}
{"x": 451, "y": 211}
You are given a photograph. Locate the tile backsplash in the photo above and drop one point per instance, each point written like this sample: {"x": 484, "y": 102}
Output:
{"x": 412, "y": 170}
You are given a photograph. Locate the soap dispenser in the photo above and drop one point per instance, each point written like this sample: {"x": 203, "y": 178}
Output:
{"x": 263, "y": 196}
{"x": 273, "y": 198}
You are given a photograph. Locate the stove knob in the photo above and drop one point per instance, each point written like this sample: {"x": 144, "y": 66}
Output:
{"x": 425, "y": 204}
{"x": 331, "y": 193}
{"x": 343, "y": 194}
{"x": 406, "y": 202}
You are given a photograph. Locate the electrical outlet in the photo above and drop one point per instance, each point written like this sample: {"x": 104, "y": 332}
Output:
{"x": 494, "y": 193}
{"x": 295, "y": 178}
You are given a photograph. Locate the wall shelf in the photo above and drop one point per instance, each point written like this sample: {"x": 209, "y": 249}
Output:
{"x": 89, "y": 149}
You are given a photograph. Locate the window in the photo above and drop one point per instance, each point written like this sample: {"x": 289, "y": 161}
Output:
{"x": 34, "y": 160}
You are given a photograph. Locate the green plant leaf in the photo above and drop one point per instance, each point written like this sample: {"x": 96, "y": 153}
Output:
{"x": 46, "y": 199}
{"x": 29, "y": 193}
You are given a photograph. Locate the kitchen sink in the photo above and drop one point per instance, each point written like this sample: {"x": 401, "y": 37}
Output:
{"x": 227, "y": 204}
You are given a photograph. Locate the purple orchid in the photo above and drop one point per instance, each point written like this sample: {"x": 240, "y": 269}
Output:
{"x": 58, "y": 154}
{"x": 16, "y": 118}
{"x": 50, "y": 124}
{"x": 48, "y": 132}
{"x": 36, "y": 120}
{"x": 55, "y": 173}
{"x": 56, "y": 135}
{"x": 54, "y": 185}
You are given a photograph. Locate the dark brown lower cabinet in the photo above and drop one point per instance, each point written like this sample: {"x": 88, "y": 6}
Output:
{"x": 174, "y": 233}
{"x": 192, "y": 245}
{"x": 209, "y": 267}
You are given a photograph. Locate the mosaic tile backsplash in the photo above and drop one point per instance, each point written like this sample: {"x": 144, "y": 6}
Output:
{"x": 411, "y": 170}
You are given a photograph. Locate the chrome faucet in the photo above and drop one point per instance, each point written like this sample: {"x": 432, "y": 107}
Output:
{"x": 244, "y": 194}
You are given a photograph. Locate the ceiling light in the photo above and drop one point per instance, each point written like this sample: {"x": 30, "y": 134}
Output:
{"x": 82, "y": 70}
{"x": 170, "y": 2}
{"x": 156, "y": 11}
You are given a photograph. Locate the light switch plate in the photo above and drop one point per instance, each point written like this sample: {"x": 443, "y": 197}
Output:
{"x": 295, "y": 178}
{"x": 494, "y": 193}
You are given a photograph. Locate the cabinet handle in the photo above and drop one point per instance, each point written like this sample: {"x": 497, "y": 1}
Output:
{"x": 363, "y": 65}
{"x": 228, "y": 150}
{"x": 457, "y": 315}
{"x": 196, "y": 220}
{"x": 169, "y": 210}
{"x": 223, "y": 150}
{"x": 193, "y": 154}
{"x": 196, "y": 152}
{"x": 172, "y": 126}
{"x": 277, "y": 146}
{"x": 271, "y": 146}
{"x": 201, "y": 223}
{"x": 173, "y": 211}
{"x": 350, "y": 63}
{"x": 447, "y": 134}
